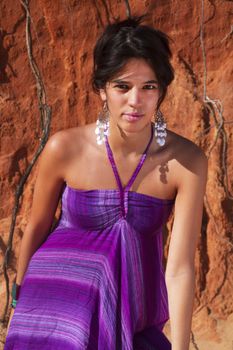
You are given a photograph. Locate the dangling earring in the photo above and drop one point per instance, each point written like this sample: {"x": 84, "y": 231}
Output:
{"x": 102, "y": 125}
{"x": 160, "y": 128}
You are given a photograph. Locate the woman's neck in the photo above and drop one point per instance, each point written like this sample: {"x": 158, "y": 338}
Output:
{"x": 124, "y": 143}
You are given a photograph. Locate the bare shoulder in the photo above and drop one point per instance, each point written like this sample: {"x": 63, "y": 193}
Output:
{"x": 188, "y": 157}
{"x": 65, "y": 143}
{"x": 186, "y": 151}
{"x": 61, "y": 149}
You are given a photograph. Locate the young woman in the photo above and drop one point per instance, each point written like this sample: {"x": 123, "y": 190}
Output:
{"x": 97, "y": 281}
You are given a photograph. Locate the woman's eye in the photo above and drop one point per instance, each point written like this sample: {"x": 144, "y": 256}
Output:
{"x": 150, "y": 87}
{"x": 122, "y": 86}
{"x": 145, "y": 87}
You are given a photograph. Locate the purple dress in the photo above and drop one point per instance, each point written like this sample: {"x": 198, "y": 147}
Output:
{"x": 97, "y": 282}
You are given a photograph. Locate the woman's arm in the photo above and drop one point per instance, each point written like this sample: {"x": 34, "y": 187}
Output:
{"x": 180, "y": 273}
{"x": 45, "y": 200}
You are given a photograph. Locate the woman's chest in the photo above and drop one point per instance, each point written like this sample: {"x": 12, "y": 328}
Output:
{"x": 153, "y": 179}
{"x": 99, "y": 209}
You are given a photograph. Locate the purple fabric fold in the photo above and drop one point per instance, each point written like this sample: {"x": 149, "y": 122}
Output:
{"x": 97, "y": 282}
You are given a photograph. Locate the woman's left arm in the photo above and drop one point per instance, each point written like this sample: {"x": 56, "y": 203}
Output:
{"x": 180, "y": 271}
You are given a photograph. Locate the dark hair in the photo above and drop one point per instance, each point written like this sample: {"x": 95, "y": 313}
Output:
{"x": 129, "y": 39}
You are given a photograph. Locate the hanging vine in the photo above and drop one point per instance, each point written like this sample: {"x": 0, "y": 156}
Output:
{"x": 215, "y": 108}
{"x": 45, "y": 120}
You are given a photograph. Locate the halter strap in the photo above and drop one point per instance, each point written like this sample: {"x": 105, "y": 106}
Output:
{"x": 124, "y": 190}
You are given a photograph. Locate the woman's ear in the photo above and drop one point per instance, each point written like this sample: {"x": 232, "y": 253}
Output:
{"x": 103, "y": 95}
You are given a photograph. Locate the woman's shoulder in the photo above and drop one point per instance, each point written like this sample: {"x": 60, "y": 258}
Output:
{"x": 184, "y": 146}
{"x": 71, "y": 134}
{"x": 69, "y": 140}
{"x": 186, "y": 152}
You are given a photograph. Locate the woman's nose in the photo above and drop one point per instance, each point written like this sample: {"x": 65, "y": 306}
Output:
{"x": 134, "y": 97}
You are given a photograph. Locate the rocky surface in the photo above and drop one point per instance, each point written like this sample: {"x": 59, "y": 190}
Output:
{"x": 198, "y": 106}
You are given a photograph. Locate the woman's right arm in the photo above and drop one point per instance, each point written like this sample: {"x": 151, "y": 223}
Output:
{"x": 46, "y": 195}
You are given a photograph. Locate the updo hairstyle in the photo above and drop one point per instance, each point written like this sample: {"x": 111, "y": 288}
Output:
{"x": 129, "y": 39}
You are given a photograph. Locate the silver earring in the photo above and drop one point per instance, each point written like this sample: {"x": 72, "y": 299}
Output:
{"x": 160, "y": 128}
{"x": 102, "y": 125}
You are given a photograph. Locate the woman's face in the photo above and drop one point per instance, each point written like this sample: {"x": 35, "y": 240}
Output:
{"x": 132, "y": 96}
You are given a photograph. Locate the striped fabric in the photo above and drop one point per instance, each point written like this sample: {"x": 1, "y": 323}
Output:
{"x": 97, "y": 282}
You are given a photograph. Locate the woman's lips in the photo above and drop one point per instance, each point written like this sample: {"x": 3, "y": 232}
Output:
{"x": 132, "y": 116}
